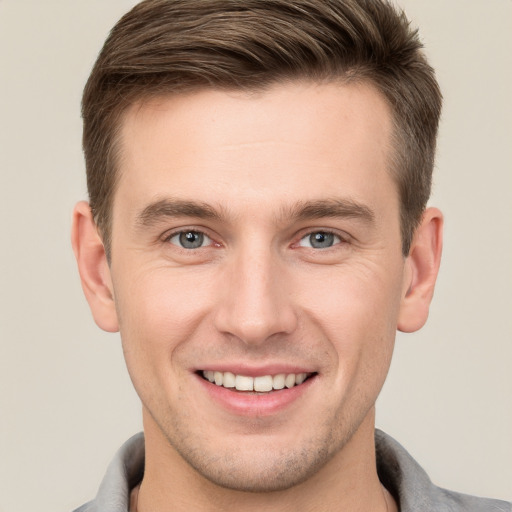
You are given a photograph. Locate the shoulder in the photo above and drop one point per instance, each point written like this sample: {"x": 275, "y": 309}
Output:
{"x": 124, "y": 472}
{"x": 413, "y": 489}
{"x": 87, "y": 507}
{"x": 454, "y": 501}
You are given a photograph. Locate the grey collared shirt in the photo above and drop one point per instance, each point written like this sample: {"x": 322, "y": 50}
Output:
{"x": 398, "y": 472}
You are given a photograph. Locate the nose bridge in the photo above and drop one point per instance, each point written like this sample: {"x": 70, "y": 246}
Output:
{"x": 256, "y": 303}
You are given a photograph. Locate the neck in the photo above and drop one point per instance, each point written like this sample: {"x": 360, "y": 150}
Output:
{"x": 348, "y": 481}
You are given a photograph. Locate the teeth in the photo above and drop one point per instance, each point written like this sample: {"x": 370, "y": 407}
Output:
{"x": 243, "y": 383}
{"x": 278, "y": 381}
{"x": 300, "y": 378}
{"x": 289, "y": 381}
{"x": 262, "y": 384}
{"x": 229, "y": 380}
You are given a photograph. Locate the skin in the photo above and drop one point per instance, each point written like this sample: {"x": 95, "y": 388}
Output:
{"x": 256, "y": 294}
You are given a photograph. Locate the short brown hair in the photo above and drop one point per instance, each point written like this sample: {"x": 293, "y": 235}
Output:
{"x": 175, "y": 46}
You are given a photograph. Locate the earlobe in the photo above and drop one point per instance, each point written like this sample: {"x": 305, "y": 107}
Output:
{"x": 422, "y": 267}
{"x": 93, "y": 268}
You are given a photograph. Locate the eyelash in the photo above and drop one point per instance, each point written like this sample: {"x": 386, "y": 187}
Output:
{"x": 338, "y": 239}
{"x": 168, "y": 238}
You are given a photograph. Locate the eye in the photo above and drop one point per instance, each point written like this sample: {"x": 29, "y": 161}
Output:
{"x": 320, "y": 240}
{"x": 190, "y": 239}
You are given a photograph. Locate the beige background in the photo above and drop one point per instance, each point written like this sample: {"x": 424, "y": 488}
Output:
{"x": 66, "y": 402}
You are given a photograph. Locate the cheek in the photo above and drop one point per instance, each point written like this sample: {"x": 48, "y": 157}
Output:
{"x": 353, "y": 298}
{"x": 158, "y": 311}
{"x": 162, "y": 300}
{"x": 357, "y": 312}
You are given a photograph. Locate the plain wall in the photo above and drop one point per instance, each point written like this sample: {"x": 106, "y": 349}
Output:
{"x": 66, "y": 402}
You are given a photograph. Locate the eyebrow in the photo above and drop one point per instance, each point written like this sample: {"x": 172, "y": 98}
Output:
{"x": 335, "y": 208}
{"x": 301, "y": 211}
{"x": 163, "y": 208}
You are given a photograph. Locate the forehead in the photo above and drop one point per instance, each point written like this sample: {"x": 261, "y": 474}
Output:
{"x": 292, "y": 141}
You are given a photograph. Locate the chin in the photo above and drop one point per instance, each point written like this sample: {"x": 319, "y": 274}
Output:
{"x": 278, "y": 473}
{"x": 259, "y": 467}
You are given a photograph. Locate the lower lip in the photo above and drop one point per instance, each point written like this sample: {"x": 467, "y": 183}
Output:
{"x": 255, "y": 404}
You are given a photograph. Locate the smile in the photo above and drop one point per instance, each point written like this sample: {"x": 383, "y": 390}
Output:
{"x": 261, "y": 384}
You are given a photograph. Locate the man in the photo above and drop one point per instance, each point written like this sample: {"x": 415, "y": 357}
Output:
{"x": 257, "y": 231}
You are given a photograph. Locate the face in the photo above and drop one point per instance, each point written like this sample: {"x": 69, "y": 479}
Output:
{"x": 256, "y": 243}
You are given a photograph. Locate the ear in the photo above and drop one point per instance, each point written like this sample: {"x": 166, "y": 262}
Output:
{"x": 422, "y": 267}
{"x": 93, "y": 268}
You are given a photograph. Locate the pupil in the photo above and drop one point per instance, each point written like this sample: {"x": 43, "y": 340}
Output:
{"x": 191, "y": 240}
{"x": 321, "y": 240}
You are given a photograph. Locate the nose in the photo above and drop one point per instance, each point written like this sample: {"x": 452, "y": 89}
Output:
{"x": 255, "y": 303}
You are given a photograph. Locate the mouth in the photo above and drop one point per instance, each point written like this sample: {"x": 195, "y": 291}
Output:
{"x": 262, "y": 384}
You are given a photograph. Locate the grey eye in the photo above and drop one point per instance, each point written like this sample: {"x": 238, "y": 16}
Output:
{"x": 190, "y": 239}
{"x": 319, "y": 240}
